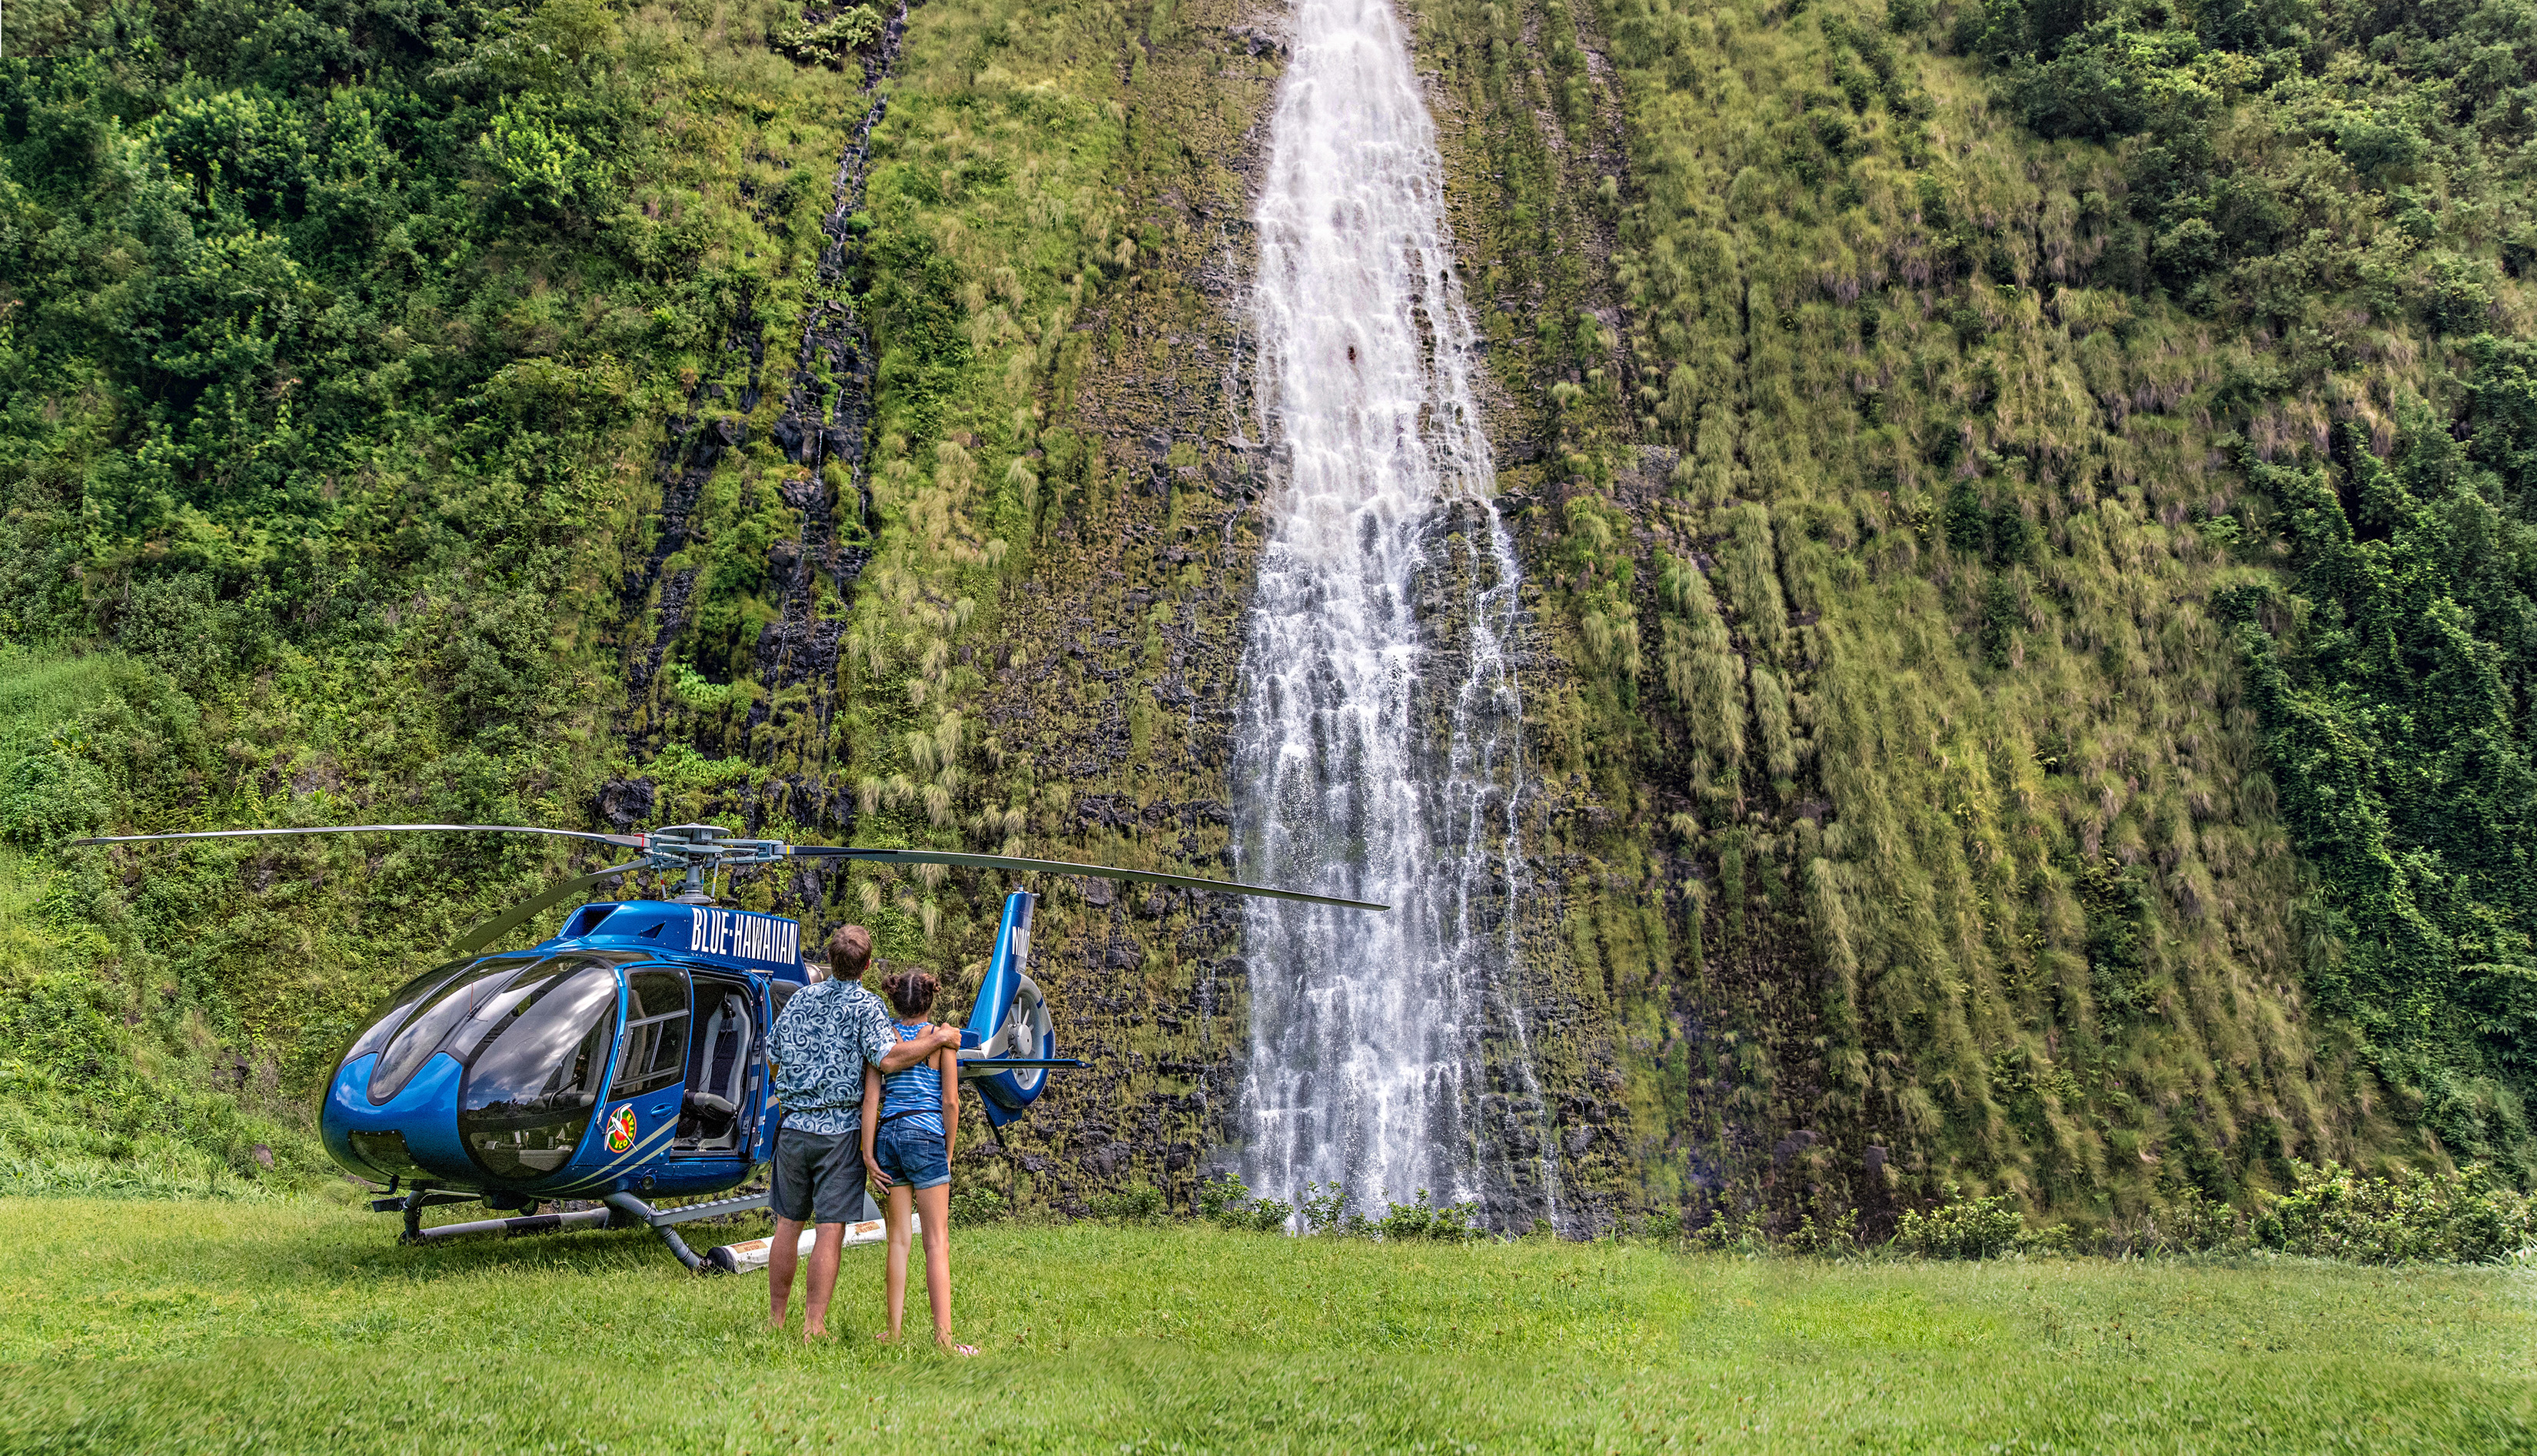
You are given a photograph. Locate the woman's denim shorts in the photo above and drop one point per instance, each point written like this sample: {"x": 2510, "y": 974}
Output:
{"x": 913, "y": 1156}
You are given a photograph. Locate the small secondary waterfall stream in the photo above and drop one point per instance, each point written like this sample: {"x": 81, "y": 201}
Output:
{"x": 1379, "y": 750}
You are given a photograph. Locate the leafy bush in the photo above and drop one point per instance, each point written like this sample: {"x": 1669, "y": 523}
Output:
{"x": 2335, "y": 1212}
{"x": 827, "y": 42}
{"x": 1663, "y": 1225}
{"x": 1831, "y": 1240}
{"x": 1960, "y": 1228}
{"x": 2390, "y": 724}
{"x": 1453, "y": 1223}
{"x": 2193, "y": 1224}
{"x": 1138, "y": 1203}
{"x": 543, "y": 164}
{"x": 1733, "y": 1234}
{"x": 1227, "y": 1201}
{"x": 46, "y": 798}
{"x": 978, "y": 1205}
{"x": 1326, "y": 1208}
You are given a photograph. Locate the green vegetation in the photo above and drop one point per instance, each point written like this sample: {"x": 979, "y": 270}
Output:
{"x": 2394, "y": 716}
{"x": 2351, "y": 182}
{"x": 1926, "y": 403}
{"x": 329, "y": 339}
{"x": 2028, "y": 509}
{"x": 296, "y": 1325}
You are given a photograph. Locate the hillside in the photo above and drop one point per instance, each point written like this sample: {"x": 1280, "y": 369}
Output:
{"x": 2028, "y": 524}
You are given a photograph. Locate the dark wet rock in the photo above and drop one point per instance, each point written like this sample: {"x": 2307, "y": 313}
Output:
{"x": 1256, "y": 40}
{"x": 823, "y": 422}
{"x": 625, "y": 802}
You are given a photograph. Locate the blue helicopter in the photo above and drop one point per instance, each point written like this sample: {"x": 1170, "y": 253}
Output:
{"x": 624, "y": 1060}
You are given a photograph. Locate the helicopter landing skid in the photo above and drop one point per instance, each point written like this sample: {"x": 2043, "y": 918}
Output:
{"x": 411, "y": 1206}
{"x": 622, "y": 1211}
{"x": 661, "y": 1220}
{"x": 525, "y": 1224}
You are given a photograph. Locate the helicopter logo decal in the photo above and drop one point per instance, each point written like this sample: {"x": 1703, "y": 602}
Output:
{"x": 743, "y": 935}
{"x": 620, "y": 1129}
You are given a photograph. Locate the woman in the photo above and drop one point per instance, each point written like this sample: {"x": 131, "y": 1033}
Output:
{"x": 911, "y": 1119}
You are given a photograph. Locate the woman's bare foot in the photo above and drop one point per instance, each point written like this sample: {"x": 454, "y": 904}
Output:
{"x": 813, "y": 1332}
{"x": 948, "y": 1347}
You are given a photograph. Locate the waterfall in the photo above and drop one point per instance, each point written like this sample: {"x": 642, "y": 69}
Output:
{"x": 1379, "y": 749}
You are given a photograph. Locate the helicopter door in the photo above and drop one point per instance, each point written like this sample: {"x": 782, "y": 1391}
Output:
{"x": 651, "y": 1063}
{"x": 716, "y": 1117}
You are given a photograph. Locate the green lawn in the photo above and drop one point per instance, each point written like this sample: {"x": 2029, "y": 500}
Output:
{"x": 302, "y": 1326}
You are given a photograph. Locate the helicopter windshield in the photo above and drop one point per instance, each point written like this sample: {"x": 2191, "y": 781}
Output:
{"x": 448, "y": 1008}
{"x": 530, "y": 1090}
{"x": 381, "y": 1027}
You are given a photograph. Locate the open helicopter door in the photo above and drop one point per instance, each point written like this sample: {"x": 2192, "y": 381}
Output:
{"x": 1010, "y": 1045}
{"x": 719, "y": 1114}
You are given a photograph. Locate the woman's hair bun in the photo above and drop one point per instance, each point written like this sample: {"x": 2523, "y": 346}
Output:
{"x": 911, "y": 992}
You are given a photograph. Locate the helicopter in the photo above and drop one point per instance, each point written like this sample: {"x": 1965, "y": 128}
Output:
{"x": 624, "y": 1060}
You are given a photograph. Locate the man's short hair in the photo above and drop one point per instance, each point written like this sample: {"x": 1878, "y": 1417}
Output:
{"x": 849, "y": 952}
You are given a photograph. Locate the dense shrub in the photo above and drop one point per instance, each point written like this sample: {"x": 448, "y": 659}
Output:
{"x": 2395, "y": 725}
{"x": 1960, "y": 1228}
{"x": 974, "y": 1203}
{"x": 46, "y": 798}
{"x": 1138, "y": 1203}
{"x": 1325, "y": 1209}
{"x": 1831, "y": 1238}
{"x": 1419, "y": 1219}
{"x": 2336, "y": 1213}
{"x": 1227, "y": 1201}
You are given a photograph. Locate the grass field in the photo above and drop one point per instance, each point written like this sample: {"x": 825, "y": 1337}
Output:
{"x": 300, "y": 1326}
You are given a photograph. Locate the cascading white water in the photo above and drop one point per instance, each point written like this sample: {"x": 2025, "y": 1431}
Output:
{"x": 1379, "y": 751}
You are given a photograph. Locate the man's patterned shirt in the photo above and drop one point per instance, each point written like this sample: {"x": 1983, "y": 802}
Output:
{"x": 819, "y": 1044}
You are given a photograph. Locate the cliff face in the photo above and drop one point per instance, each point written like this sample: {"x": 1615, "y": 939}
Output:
{"x": 1918, "y": 822}
{"x": 1943, "y": 522}
{"x": 1853, "y": 862}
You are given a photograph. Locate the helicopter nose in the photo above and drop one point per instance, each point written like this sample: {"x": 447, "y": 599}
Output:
{"x": 414, "y": 1135}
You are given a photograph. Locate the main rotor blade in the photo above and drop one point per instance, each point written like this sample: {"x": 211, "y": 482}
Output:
{"x": 509, "y": 921}
{"x": 624, "y": 841}
{"x": 1060, "y": 867}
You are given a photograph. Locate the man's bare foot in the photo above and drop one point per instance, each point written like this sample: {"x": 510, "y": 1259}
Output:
{"x": 813, "y": 1332}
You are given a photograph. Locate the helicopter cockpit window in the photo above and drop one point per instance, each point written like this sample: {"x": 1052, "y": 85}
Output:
{"x": 391, "y": 1013}
{"x": 530, "y": 1090}
{"x": 447, "y": 1010}
{"x": 656, "y": 1032}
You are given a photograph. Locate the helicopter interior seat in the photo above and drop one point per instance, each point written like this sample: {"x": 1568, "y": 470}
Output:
{"x": 717, "y": 1077}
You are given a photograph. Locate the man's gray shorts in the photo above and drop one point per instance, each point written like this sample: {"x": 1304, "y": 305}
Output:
{"x": 818, "y": 1176}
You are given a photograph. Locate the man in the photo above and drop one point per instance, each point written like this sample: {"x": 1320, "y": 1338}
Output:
{"x": 819, "y": 1045}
